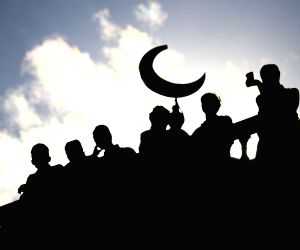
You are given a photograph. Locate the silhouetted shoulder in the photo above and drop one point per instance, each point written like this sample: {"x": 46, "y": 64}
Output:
{"x": 146, "y": 134}
{"x": 285, "y": 99}
{"x": 145, "y": 141}
{"x": 30, "y": 179}
{"x": 294, "y": 91}
{"x": 197, "y": 132}
{"x": 183, "y": 133}
{"x": 128, "y": 150}
{"x": 57, "y": 167}
{"x": 118, "y": 151}
{"x": 293, "y": 97}
{"x": 221, "y": 122}
{"x": 225, "y": 119}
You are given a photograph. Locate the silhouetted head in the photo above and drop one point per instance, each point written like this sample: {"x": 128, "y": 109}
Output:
{"x": 74, "y": 151}
{"x": 159, "y": 117}
{"x": 176, "y": 120}
{"x": 102, "y": 137}
{"x": 40, "y": 155}
{"x": 210, "y": 104}
{"x": 270, "y": 74}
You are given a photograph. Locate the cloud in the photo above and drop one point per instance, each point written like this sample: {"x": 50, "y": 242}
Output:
{"x": 108, "y": 30}
{"x": 151, "y": 14}
{"x": 70, "y": 93}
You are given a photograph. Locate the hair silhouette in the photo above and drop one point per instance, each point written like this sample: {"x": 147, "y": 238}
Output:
{"x": 210, "y": 104}
{"x": 102, "y": 136}
{"x": 40, "y": 155}
{"x": 74, "y": 151}
{"x": 270, "y": 73}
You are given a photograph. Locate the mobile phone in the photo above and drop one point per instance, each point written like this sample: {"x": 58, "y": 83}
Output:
{"x": 250, "y": 79}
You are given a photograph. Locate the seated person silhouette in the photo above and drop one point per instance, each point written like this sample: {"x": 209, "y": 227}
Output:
{"x": 213, "y": 139}
{"x": 39, "y": 184}
{"x": 113, "y": 174}
{"x": 42, "y": 190}
{"x": 113, "y": 153}
{"x": 78, "y": 181}
{"x": 154, "y": 142}
{"x": 77, "y": 168}
{"x": 278, "y": 118}
{"x": 178, "y": 139}
{"x": 75, "y": 154}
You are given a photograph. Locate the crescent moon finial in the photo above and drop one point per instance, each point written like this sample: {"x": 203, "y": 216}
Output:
{"x": 161, "y": 86}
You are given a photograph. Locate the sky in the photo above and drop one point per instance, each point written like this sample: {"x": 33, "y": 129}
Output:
{"x": 69, "y": 65}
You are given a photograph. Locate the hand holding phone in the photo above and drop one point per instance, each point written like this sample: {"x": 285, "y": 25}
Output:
{"x": 253, "y": 82}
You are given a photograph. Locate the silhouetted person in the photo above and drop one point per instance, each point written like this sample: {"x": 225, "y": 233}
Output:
{"x": 75, "y": 154}
{"x": 278, "y": 118}
{"x": 39, "y": 184}
{"x": 113, "y": 176}
{"x": 41, "y": 194}
{"x": 77, "y": 168}
{"x": 78, "y": 186}
{"x": 213, "y": 139}
{"x": 178, "y": 139}
{"x": 113, "y": 153}
{"x": 154, "y": 142}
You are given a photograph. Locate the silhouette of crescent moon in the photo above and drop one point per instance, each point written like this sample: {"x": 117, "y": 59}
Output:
{"x": 161, "y": 86}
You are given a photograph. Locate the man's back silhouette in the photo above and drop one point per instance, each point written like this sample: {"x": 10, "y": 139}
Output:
{"x": 213, "y": 139}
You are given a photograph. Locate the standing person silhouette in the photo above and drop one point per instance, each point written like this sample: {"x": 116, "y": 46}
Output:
{"x": 154, "y": 142}
{"x": 278, "y": 118}
{"x": 213, "y": 139}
